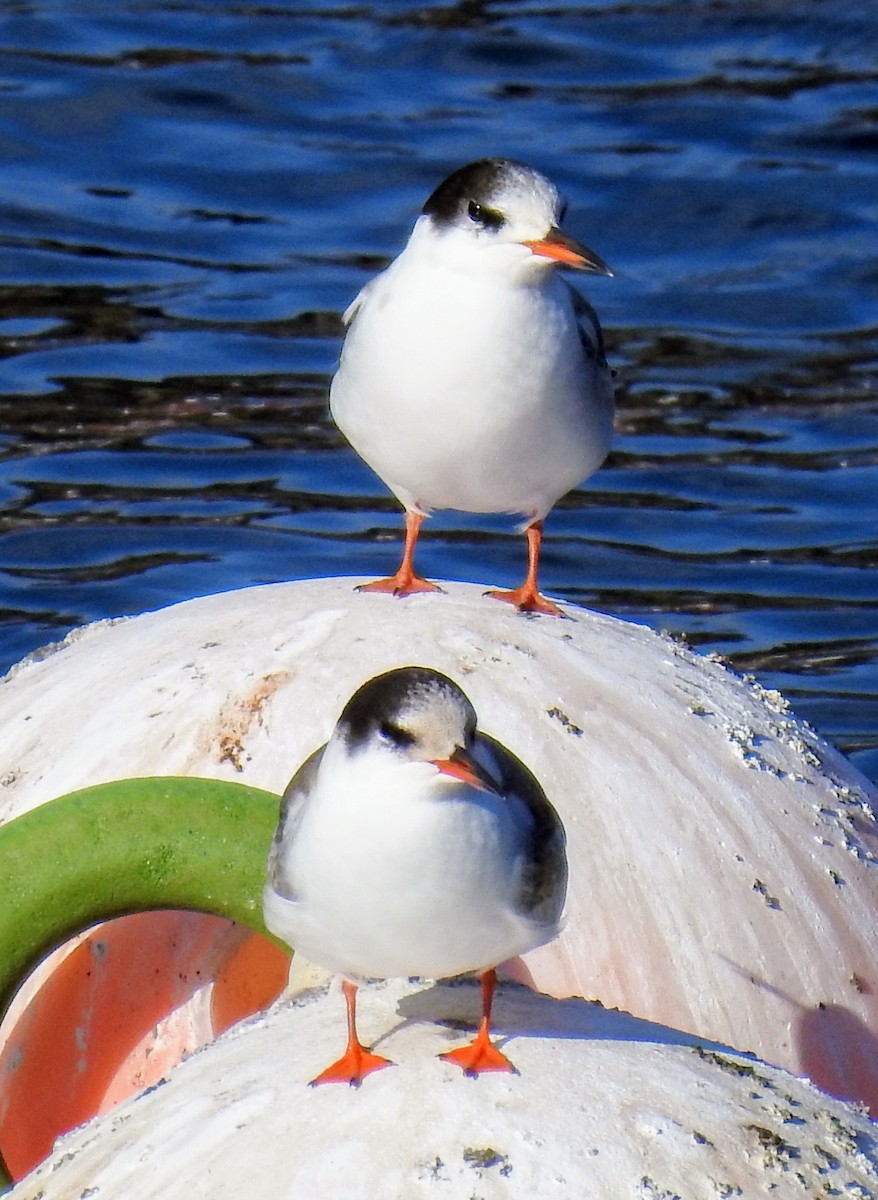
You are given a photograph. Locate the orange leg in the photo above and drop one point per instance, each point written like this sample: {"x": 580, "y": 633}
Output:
{"x": 481, "y": 1054}
{"x": 356, "y": 1062}
{"x": 405, "y": 581}
{"x": 527, "y": 598}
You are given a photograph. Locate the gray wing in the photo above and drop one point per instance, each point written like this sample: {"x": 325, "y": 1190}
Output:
{"x": 359, "y": 302}
{"x": 544, "y": 880}
{"x": 590, "y": 332}
{"x": 292, "y": 806}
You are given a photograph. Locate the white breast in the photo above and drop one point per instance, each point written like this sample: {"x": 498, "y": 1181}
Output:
{"x": 472, "y": 391}
{"x": 397, "y": 871}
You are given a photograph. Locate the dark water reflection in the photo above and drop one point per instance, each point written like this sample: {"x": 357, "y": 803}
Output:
{"x": 191, "y": 193}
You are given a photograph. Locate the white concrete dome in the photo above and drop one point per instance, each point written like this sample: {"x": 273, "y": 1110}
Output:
{"x": 723, "y": 857}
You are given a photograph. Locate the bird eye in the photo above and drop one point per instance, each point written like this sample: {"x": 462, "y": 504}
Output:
{"x": 396, "y": 734}
{"x": 488, "y": 218}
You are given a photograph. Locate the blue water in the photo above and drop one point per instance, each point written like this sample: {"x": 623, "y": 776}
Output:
{"x": 191, "y": 193}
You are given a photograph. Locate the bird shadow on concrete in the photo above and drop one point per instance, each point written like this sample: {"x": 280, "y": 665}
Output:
{"x": 519, "y": 1011}
{"x": 839, "y": 1053}
{"x": 835, "y": 1047}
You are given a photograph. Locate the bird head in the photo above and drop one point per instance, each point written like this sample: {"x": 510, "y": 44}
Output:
{"x": 418, "y": 715}
{"x": 504, "y": 215}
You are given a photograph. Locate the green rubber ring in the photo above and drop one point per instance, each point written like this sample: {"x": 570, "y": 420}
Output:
{"x": 125, "y": 847}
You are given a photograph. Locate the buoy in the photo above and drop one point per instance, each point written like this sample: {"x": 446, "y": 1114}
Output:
{"x": 723, "y": 856}
{"x": 116, "y": 1004}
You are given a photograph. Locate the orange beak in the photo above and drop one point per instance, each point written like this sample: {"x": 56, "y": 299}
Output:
{"x": 461, "y": 766}
{"x": 563, "y": 249}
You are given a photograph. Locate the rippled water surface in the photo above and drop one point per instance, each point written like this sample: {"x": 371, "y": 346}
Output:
{"x": 191, "y": 193}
